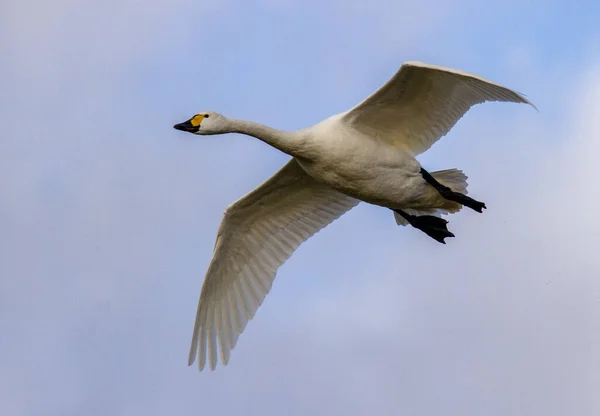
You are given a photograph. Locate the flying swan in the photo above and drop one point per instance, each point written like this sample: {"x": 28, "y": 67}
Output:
{"x": 364, "y": 154}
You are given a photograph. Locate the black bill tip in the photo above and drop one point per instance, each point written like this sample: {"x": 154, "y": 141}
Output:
{"x": 186, "y": 126}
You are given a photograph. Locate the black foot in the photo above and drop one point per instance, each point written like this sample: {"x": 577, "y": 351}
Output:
{"x": 463, "y": 200}
{"x": 450, "y": 195}
{"x": 434, "y": 227}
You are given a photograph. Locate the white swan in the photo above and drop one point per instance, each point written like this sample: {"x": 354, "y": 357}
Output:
{"x": 365, "y": 154}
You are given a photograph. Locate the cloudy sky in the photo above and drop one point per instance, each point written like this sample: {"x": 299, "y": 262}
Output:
{"x": 108, "y": 215}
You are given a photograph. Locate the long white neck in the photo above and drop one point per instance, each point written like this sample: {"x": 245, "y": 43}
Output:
{"x": 294, "y": 143}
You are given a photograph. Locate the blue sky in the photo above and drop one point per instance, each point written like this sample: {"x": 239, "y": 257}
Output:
{"x": 109, "y": 215}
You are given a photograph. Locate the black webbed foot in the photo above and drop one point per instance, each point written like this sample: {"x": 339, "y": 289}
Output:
{"x": 434, "y": 227}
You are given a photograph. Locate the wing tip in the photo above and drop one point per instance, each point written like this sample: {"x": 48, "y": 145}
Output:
{"x": 201, "y": 363}
{"x": 192, "y": 356}
{"x": 526, "y": 101}
{"x": 420, "y": 64}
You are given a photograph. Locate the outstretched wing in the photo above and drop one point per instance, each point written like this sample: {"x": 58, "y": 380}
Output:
{"x": 257, "y": 235}
{"x": 421, "y": 103}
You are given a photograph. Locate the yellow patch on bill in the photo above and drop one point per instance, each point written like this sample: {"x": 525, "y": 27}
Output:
{"x": 196, "y": 120}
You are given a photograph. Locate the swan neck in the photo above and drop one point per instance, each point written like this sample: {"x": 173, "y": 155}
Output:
{"x": 290, "y": 142}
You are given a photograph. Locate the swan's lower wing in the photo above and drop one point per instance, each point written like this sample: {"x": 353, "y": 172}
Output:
{"x": 257, "y": 235}
{"x": 421, "y": 103}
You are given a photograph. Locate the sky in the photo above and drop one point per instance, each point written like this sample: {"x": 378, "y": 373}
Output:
{"x": 108, "y": 215}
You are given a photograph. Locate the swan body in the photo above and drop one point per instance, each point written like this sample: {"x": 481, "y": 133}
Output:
{"x": 367, "y": 153}
{"x": 363, "y": 167}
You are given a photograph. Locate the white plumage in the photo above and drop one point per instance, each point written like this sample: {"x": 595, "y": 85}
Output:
{"x": 258, "y": 234}
{"x": 365, "y": 154}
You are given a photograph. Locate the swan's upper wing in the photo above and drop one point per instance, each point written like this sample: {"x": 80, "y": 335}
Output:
{"x": 257, "y": 235}
{"x": 421, "y": 103}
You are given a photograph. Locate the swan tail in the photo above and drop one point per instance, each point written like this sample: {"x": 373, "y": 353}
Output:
{"x": 456, "y": 180}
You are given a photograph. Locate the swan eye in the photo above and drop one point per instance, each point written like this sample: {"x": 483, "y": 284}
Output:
{"x": 205, "y": 115}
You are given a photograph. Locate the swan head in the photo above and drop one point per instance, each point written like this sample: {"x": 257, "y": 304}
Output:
{"x": 205, "y": 123}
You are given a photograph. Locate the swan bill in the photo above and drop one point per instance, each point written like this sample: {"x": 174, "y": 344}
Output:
{"x": 187, "y": 126}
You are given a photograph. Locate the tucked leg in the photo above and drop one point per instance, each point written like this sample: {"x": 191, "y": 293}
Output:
{"x": 434, "y": 227}
{"x": 450, "y": 195}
